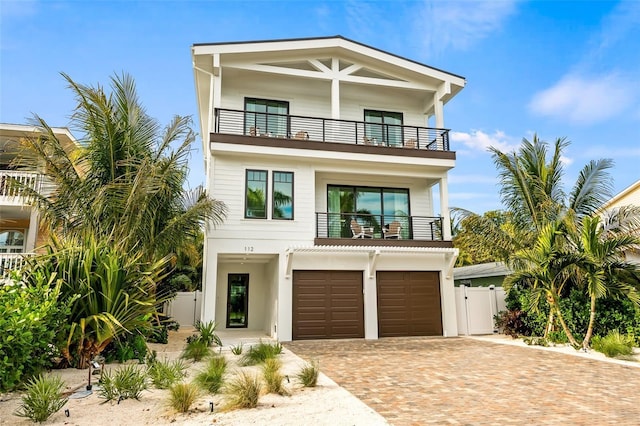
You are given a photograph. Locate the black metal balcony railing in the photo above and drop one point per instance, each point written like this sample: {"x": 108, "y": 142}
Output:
{"x": 238, "y": 122}
{"x": 339, "y": 225}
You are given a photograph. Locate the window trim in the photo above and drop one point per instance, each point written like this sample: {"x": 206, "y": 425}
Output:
{"x": 383, "y": 125}
{"x": 273, "y": 190}
{"x": 246, "y": 189}
{"x": 14, "y": 247}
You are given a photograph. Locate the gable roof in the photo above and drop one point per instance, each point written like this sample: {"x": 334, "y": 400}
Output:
{"x": 632, "y": 192}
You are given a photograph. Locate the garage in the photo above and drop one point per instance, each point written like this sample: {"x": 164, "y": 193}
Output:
{"x": 409, "y": 303}
{"x": 327, "y": 305}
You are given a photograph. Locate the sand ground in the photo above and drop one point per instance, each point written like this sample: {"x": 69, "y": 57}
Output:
{"x": 326, "y": 404}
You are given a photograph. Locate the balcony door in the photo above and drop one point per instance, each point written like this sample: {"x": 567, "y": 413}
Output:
{"x": 370, "y": 206}
{"x": 384, "y": 127}
{"x": 12, "y": 241}
{"x": 266, "y": 117}
{"x": 238, "y": 301}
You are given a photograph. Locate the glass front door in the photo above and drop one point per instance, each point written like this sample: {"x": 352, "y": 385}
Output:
{"x": 237, "y": 300}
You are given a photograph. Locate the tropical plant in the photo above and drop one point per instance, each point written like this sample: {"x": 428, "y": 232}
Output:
{"x": 207, "y": 334}
{"x": 164, "y": 374}
{"x": 602, "y": 268}
{"x": 196, "y": 350}
{"x": 273, "y": 377}
{"x": 212, "y": 378}
{"x": 309, "y": 373}
{"x": 43, "y": 397}
{"x": 242, "y": 391}
{"x": 259, "y": 353}
{"x": 237, "y": 349}
{"x": 127, "y": 382}
{"x": 111, "y": 292}
{"x": 614, "y": 344}
{"x": 182, "y": 396}
{"x": 32, "y": 322}
{"x": 123, "y": 183}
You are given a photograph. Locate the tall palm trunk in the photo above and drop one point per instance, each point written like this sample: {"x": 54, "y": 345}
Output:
{"x": 556, "y": 306}
{"x": 592, "y": 320}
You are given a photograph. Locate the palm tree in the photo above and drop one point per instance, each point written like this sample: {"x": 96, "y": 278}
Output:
{"x": 124, "y": 183}
{"x": 532, "y": 192}
{"x": 602, "y": 268}
{"x": 547, "y": 269}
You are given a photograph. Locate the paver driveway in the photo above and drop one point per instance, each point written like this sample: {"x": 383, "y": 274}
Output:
{"x": 413, "y": 381}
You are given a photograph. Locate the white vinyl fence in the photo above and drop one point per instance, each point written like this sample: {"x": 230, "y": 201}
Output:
{"x": 476, "y": 307}
{"x": 185, "y": 308}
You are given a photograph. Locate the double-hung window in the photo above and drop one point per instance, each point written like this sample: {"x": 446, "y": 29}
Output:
{"x": 282, "y": 196}
{"x": 384, "y": 127}
{"x": 265, "y": 117}
{"x": 256, "y": 195}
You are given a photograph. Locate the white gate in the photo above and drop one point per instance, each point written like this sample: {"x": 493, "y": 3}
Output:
{"x": 186, "y": 307}
{"x": 476, "y": 307}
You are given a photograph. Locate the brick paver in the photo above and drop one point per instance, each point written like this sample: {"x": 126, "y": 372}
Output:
{"x": 415, "y": 381}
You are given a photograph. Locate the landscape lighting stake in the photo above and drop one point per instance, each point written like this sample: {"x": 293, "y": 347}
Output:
{"x": 67, "y": 413}
{"x": 211, "y": 405}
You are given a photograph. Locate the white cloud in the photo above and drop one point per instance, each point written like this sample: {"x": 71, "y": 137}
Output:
{"x": 458, "y": 24}
{"x": 478, "y": 140}
{"x": 566, "y": 160}
{"x": 585, "y": 100}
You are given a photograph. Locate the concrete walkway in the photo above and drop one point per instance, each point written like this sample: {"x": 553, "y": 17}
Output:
{"x": 415, "y": 381}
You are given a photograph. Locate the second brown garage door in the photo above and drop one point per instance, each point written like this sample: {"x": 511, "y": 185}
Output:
{"x": 327, "y": 305}
{"x": 409, "y": 303}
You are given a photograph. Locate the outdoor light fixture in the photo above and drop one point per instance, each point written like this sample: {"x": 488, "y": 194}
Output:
{"x": 211, "y": 405}
{"x": 67, "y": 413}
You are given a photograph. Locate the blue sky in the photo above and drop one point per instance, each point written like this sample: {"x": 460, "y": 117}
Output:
{"x": 559, "y": 69}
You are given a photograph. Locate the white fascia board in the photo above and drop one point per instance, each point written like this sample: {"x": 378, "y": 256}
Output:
{"x": 308, "y": 154}
{"x": 22, "y": 130}
{"x": 374, "y": 249}
{"x": 631, "y": 188}
{"x": 327, "y": 44}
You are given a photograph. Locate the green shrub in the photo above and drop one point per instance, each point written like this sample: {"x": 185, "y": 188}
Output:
{"x": 33, "y": 324}
{"x": 257, "y": 354}
{"x": 196, "y": 350}
{"x": 182, "y": 396}
{"x": 237, "y": 349}
{"x": 273, "y": 378}
{"x": 163, "y": 374}
{"x": 42, "y": 399}
{"x": 242, "y": 391}
{"x": 124, "y": 348}
{"x": 127, "y": 382}
{"x": 536, "y": 341}
{"x": 212, "y": 377}
{"x": 613, "y": 344}
{"x": 308, "y": 374}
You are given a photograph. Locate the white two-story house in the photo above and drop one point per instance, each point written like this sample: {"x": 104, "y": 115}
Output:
{"x": 332, "y": 158}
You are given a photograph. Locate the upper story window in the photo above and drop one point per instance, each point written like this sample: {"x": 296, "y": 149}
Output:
{"x": 256, "y": 195}
{"x": 266, "y": 117}
{"x": 384, "y": 126}
{"x": 11, "y": 241}
{"x": 282, "y": 195}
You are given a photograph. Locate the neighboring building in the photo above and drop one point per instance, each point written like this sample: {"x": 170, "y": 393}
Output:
{"x": 481, "y": 275}
{"x": 19, "y": 227}
{"x": 331, "y": 157}
{"x": 630, "y": 196}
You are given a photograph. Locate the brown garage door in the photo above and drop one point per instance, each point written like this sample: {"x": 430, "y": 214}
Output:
{"x": 327, "y": 305}
{"x": 409, "y": 303}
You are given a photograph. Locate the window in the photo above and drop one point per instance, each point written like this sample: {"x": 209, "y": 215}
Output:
{"x": 282, "y": 195}
{"x": 266, "y": 117}
{"x": 370, "y": 206}
{"x": 385, "y": 127}
{"x": 11, "y": 241}
{"x": 256, "y": 195}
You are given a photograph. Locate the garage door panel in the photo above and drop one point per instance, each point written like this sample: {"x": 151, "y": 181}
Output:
{"x": 327, "y": 305}
{"x": 409, "y": 303}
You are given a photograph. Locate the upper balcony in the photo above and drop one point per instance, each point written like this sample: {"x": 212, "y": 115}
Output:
{"x": 302, "y": 132}
{"x": 11, "y": 182}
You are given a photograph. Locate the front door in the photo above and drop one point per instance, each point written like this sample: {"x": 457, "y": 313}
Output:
{"x": 237, "y": 300}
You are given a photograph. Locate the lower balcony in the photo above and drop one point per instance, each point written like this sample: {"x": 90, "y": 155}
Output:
{"x": 379, "y": 230}
{"x": 12, "y": 183}
{"x": 12, "y": 262}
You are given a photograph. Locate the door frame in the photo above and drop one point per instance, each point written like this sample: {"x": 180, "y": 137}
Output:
{"x": 246, "y": 300}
